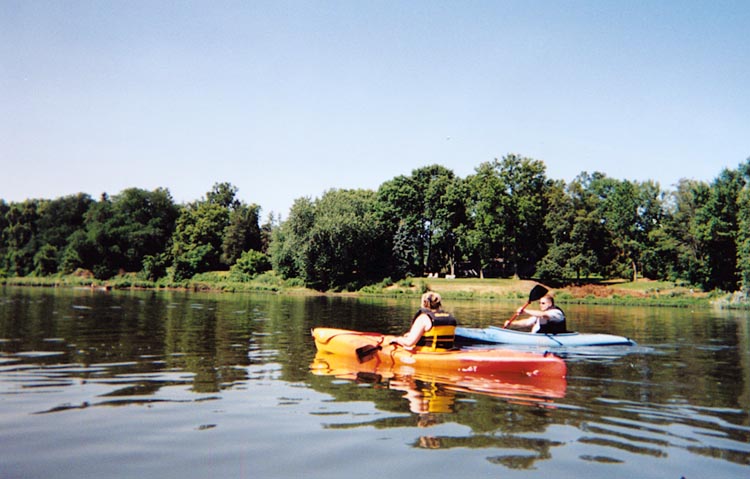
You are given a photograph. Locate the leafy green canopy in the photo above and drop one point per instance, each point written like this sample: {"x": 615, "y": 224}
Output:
{"x": 505, "y": 219}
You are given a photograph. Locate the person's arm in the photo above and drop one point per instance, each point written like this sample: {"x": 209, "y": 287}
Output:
{"x": 536, "y": 313}
{"x": 520, "y": 323}
{"x": 528, "y": 322}
{"x": 421, "y": 325}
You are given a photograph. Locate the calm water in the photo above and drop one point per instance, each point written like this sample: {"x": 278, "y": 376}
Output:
{"x": 135, "y": 385}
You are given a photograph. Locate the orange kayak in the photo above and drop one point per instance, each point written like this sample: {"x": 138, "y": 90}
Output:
{"x": 364, "y": 347}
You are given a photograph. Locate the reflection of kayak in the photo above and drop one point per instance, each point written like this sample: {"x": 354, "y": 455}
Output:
{"x": 432, "y": 391}
{"x": 479, "y": 361}
{"x": 497, "y": 335}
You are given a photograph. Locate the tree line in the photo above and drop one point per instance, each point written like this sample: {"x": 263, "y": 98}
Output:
{"x": 506, "y": 219}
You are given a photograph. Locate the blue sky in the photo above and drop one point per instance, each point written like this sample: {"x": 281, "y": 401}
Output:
{"x": 286, "y": 99}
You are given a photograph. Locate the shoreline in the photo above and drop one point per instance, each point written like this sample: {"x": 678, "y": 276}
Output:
{"x": 641, "y": 293}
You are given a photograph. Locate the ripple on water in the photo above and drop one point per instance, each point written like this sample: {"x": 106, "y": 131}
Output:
{"x": 653, "y": 429}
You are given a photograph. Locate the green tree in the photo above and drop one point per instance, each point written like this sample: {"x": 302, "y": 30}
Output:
{"x": 680, "y": 245}
{"x": 242, "y": 233}
{"x": 717, "y": 224}
{"x": 45, "y": 260}
{"x": 4, "y": 208}
{"x": 214, "y": 232}
{"x": 593, "y": 249}
{"x": 59, "y": 219}
{"x": 482, "y": 238}
{"x": 619, "y": 210}
{"x": 445, "y": 206}
{"x": 580, "y": 244}
{"x": 290, "y": 240}
{"x": 506, "y": 208}
{"x": 423, "y": 213}
{"x": 145, "y": 221}
{"x": 630, "y": 212}
{"x": 119, "y": 232}
{"x": 20, "y": 236}
{"x": 198, "y": 238}
{"x": 399, "y": 207}
{"x": 563, "y": 259}
{"x": 743, "y": 229}
{"x": 249, "y": 264}
{"x": 526, "y": 184}
{"x": 334, "y": 242}
{"x": 266, "y": 231}
{"x": 650, "y": 228}
{"x": 223, "y": 194}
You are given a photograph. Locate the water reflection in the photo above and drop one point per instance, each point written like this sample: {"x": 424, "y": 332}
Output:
{"x": 240, "y": 367}
{"x": 436, "y": 392}
{"x": 437, "y": 399}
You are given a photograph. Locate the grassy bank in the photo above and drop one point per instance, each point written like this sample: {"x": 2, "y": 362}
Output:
{"x": 644, "y": 292}
{"x": 649, "y": 293}
{"x": 211, "y": 282}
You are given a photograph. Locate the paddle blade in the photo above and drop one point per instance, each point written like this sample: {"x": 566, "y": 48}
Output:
{"x": 365, "y": 353}
{"x": 537, "y": 293}
{"x": 369, "y": 378}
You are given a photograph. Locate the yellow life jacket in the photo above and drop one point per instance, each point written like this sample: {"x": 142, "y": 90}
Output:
{"x": 442, "y": 334}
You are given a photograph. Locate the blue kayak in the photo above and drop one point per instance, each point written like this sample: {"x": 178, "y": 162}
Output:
{"x": 498, "y": 335}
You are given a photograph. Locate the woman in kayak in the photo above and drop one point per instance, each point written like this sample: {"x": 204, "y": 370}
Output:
{"x": 431, "y": 326}
{"x": 549, "y": 319}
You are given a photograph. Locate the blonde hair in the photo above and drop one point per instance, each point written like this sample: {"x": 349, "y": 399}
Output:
{"x": 431, "y": 300}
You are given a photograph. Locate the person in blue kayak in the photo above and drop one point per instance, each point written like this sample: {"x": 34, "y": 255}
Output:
{"x": 431, "y": 326}
{"x": 548, "y": 319}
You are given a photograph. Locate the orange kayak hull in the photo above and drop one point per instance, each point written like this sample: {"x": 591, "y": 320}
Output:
{"x": 353, "y": 344}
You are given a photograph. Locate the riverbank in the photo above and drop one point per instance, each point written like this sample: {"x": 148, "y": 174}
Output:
{"x": 642, "y": 292}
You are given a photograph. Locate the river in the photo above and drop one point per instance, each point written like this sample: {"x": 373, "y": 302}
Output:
{"x": 161, "y": 384}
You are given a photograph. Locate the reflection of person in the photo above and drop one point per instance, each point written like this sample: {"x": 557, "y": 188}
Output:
{"x": 424, "y": 397}
{"x": 430, "y": 442}
{"x": 431, "y": 326}
{"x": 549, "y": 319}
{"x": 428, "y": 400}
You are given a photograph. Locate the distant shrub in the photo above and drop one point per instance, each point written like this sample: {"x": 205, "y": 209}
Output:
{"x": 156, "y": 266}
{"x": 294, "y": 283}
{"x": 406, "y": 283}
{"x": 250, "y": 264}
{"x": 269, "y": 278}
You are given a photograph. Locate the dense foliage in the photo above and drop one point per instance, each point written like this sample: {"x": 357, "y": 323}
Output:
{"x": 506, "y": 219}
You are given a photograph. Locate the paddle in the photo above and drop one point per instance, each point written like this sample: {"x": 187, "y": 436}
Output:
{"x": 365, "y": 353}
{"x": 536, "y": 293}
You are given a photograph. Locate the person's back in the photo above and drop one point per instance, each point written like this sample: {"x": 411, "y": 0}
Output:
{"x": 442, "y": 333}
{"x": 431, "y": 327}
